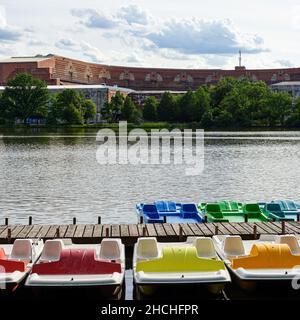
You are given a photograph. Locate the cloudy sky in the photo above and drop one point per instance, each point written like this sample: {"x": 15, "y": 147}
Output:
{"x": 157, "y": 33}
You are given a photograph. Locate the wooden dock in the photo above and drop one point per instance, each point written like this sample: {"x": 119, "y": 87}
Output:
{"x": 93, "y": 233}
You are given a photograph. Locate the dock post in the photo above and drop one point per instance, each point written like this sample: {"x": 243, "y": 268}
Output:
{"x": 298, "y": 217}
{"x": 141, "y": 220}
{"x": 180, "y": 233}
{"x": 74, "y": 221}
{"x": 246, "y": 217}
{"x": 9, "y": 235}
{"x": 99, "y": 220}
{"x": 283, "y": 227}
{"x": 216, "y": 230}
{"x": 6, "y": 221}
{"x": 205, "y": 219}
{"x": 107, "y": 232}
{"x": 30, "y": 221}
{"x": 144, "y": 232}
{"x": 255, "y": 232}
{"x": 165, "y": 219}
{"x": 57, "y": 233}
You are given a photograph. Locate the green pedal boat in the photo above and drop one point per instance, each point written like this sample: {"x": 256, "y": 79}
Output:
{"x": 232, "y": 211}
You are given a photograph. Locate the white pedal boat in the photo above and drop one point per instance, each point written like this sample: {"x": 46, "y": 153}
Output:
{"x": 63, "y": 264}
{"x": 270, "y": 258}
{"x": 194, "y": 262}
{"x": 16, "y": 261}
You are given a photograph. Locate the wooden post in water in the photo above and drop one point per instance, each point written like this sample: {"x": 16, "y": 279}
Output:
{"x": 141, "y": 220}
{"x": 165, "y": 219}
{"x": 255, "y": 232}
{"x": 246, "y": 217}
{"x": 9, "y": 235}
{"x": 298, "y": 217}
{"x": 57, "y": 233}
{"x": 205, "y": 219}
{"x": 283, "y": 227}
{"x": 216, "y": 230}
{"x": 6, "y": 221}
{"x": 30, "y": 221}
{"x": 107, "y": 232}
{"x": 74, "y": 221}
{"x": 99, "y": 220}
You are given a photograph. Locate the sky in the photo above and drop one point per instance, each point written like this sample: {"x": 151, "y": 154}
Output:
{"x": 156, "y": 33}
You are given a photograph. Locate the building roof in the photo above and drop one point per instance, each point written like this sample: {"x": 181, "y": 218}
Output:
{"x": 286, "y": 83}
{"x": 36, "y": 58}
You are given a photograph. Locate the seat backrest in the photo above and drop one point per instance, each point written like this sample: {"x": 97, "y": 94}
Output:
{"x": 205, "y": 248}
{"x": 51, "y": 251}
{"x": 171, "y": 206}
{"x": 161, "y": 206}
{"x": 110, "y": 249}
{"x": 234, "y": 206}
{"x": 214, "y": 209}
{"x": 190, "y": 208}
{"x": 147, "y": 248}
{"x": 151, "y": 211}
{"x": 291, "y": 241}
{"x": 233, "y": 246}
{"x": 273, "y": 207}
{"x": 291, "y": 205}
{"x": 22, "y": 250}
{"x": 224, "y": 206}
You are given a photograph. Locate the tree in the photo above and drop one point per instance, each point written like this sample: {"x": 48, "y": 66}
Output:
{"x": 25, "y": 97}
{"x": 68, "y": 107}
{"x": 168, "y": 108}
{"x": 112, "y": 110}
{"x": 128, "y": 109}
{"x": 150, "y": 109}
{"x": 89, "y": 109}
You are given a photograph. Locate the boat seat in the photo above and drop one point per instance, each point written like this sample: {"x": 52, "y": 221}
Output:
{"x": 233, "y": 246}
{"x": 52, "y": 250}
{"x": 147, "y": 248}
{"x": 205, "y": 248}
{"x": 22, "y": 250}
{"x": 291, "y": 241}
{"x": 110, "y": 249}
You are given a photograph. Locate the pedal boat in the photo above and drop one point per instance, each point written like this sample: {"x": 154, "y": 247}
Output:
{"x": 158, "y": 265}
{"x": 64, "y": 265}
{"x": 16, "y": 261}
{"x": 264, "y": 261}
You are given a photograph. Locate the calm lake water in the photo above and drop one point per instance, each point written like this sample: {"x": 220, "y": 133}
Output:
{"x": 56, "y": 177}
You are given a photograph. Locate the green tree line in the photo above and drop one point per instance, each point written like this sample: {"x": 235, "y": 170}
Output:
{"x": 26, "y": 97}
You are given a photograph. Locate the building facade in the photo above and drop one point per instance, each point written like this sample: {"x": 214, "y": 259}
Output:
{"x": 56, "y": 70}
{"x": 292, "y": 87}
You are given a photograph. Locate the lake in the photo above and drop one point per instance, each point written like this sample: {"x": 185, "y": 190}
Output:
{"x": 54, "y": 177}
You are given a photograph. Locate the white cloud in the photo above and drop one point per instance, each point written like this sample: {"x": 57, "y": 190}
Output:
{"x": 204, "y": 37}
{"x": 7, "y": 33}
{"x": 133, "y": 14}
{"x": 66, "y": 44}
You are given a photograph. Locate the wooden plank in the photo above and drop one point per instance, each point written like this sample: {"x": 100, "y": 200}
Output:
{"x": 160, "y": 230}
{"x": 43, "y": 231}
{"x": 176, "y": 228}
{"x": 247, "y": 226}
{"x": 88, "y": 231}
{"x": 15, "y": 231}
{"x": 140, "y": 228}
{"x": 267, "y": 229}
{"x": 197, "y": 232}
{"x": 115, "y": 231}
{"x": 231, "y": 229}
{"x": 62, "y": 231}
{"x": 52, "y": 232}
{"x": 124, "y": 231}
{"x": 240, "y": 229}
{"x": 79, "y": 231}
{"x": 203, "y": 228}
{"x": 3, "y": 231}
{"x": 24, "y": 232}
{"x": 222, "y": 230}
{"x": 70, "y": 231}
{"x": 187, "y": 230}
{"x": 276, "y": 227}
{"x": 133, "y": 231}
{"x": 97, "y": 233}
{"x": 151, "y": 230}
{"x": 34, "y": 231}
{"x": 169, "y": 230}
{"x": 291, "y": 226}
{"x": 295, "y": 226}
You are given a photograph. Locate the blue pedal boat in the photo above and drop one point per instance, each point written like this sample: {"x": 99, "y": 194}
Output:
{"x": 281, "y": 210}
{"x": 168, "y": 212}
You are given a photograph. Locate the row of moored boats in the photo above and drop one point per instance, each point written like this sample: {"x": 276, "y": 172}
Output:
{"x": 222, "y": 211}
{"x": 209, "y": 263}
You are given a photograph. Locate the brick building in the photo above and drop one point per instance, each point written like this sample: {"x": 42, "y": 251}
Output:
{"x": 56, "y": 70}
